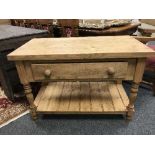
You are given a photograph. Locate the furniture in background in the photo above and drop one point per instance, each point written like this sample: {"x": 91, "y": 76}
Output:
{"x": 42, "y": 24}
{"x": 150, "y": 67}
{"x": 69, "y": 27}
{"x": 146, "y": 31}
{"x": 62, "y": 27}
{"x": 147, "y": 27}
{"x": 45, "y": 24}
{"x": 149, "y": 74}
{"x": 12, "y": 37}
{"x": 107, "y": 27}
{"x": 17, "y": 22}
{"x": 147, "y": 36}
{"x": 82, "y": 75}
{"x": 82, "y": 27}
{"x": 30, "y": 23}
{"x": 96, "y": 27}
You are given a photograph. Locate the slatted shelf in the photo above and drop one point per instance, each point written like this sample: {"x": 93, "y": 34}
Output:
{"x": 82, "y": 97}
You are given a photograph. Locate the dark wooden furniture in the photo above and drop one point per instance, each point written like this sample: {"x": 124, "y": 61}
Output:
{"x": 144, "y": 39}
{"x": 119, "y": 30}
{"x": 12, "y": 37}
{"x": 147, "y": 27}
{"x": 69, "y": 27}
{"x": 18, "y": 22}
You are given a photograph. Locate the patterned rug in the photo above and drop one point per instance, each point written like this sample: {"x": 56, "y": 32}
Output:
{"x": 10, "y": 111}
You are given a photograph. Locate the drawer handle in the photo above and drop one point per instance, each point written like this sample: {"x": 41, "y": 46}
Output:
{"x": 111, "y": 71}
{"x": 47, "y": 73}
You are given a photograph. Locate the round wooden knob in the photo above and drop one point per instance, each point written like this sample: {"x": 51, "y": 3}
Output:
{"x": 111, "y": 71}
{"x": 47, "y": 73}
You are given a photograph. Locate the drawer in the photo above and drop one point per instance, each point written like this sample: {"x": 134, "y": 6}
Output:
{"x": 98, "y": 70}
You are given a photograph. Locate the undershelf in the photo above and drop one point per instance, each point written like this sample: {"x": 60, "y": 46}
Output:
{"x": 82, "y": 97}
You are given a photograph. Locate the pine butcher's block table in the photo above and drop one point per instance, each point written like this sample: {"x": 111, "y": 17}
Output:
{"x": 82, "y": 75}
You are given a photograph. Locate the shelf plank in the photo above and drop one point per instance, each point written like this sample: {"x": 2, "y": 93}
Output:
{"x": 44, "y": 101}
{"x": 85, "y": 104}
{"x": 82, "y": 97}
{"x": 55, "y": 97}
{"x": 39, "y": 96}
{"x": 117, "y": 102}
{"x": 96, "y": 97}
{"x": 107, "y": 103}
{"x": 65, "y": 97}
{"x": 123, "y": 95}
{"x": 75, "y": 98}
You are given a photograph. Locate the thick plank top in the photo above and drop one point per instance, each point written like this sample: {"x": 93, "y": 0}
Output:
{"x": 81, "y": 48}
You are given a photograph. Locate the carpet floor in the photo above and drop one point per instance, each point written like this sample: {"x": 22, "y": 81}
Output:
{"x": 142, "y": 124}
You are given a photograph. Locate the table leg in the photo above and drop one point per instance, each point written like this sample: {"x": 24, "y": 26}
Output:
{"x": 30, "y": 98}
{"x": 27, "y": 88}
{"x": 139, "y": 70}
{"x": 132, "y": 99}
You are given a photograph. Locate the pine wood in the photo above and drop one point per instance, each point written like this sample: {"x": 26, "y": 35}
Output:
{"x": 140, "y": 67}
{"x": 80, "y": 70}
{"x": 134, "y": 88}
{"x": 81, "y": 48}
{"x": 27, "y": 88}
{"x": 76, "y": 68}
{"x": 81, "y": 97}
{"x": 34, "y": 68}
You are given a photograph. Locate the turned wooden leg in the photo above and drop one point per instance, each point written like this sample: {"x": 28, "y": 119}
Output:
{"x": 132, "y": 99}
{"x": 27, "y": 88}
{"x": 29, "y": 95}
{"x": 139, "y": 70}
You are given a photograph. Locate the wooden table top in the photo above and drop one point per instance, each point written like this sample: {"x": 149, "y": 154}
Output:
{"x": 82, "y": 48}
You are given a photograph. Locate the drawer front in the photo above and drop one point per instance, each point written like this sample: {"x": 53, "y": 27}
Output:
{"x": 99, "y": 70}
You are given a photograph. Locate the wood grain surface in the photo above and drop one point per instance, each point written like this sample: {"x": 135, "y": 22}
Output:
{"x": 80, "y": 70}
{"x": 82, "y": 97}
{"x": 81, "y": 48}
